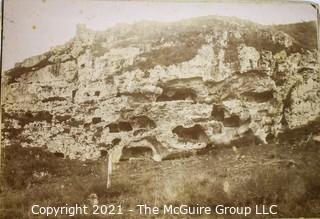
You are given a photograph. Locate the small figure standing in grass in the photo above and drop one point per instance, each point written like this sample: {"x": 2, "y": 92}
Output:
{"x": 105, "y": 167}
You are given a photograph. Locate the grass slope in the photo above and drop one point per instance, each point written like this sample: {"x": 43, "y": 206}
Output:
{"x": 305, "y": 33}
{"x": 267, "y": 174}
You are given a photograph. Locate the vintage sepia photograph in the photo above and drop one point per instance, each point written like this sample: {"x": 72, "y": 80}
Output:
{"x": 160, "y": 109}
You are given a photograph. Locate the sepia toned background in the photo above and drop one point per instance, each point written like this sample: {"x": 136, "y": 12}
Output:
{"x": 159, "y": 103}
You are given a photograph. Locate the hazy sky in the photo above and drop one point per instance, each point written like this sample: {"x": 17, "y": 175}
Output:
{"x": 31, "y": 27}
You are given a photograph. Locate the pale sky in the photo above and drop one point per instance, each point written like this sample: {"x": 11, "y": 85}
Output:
{"x": 31, "y": 27}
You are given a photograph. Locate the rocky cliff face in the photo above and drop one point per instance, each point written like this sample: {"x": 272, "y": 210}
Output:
{"x": 162, "y": 88}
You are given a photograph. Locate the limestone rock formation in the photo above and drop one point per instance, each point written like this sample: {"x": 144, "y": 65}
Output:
{"x": 161, "y": 88}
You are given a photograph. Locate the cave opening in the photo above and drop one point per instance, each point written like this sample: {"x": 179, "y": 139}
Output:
{"x": 58, "y": 154}
{"x": 258, "y": 97}
{"x": 174, "y": 94}
{"x": 193, "y": 134}
{"x": 140, "y": 152}
{"x": 113, "y": 128}
{"x": 96, "y": 120}
{"x": 125, "y": 126}
{"x": 119, "y": 127}
{"x": 144, "y": 122}
{"x": 232, "y": 121}
{"x": 217, "y": 112}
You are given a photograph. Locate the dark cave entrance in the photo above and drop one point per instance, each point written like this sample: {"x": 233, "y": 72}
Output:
{"x": 173, "y": 94}
{"x": 218, "y": 114}
{"x": 136, "y": 152}
{"x": 120, "y": 127}
{"x": 193, "y": 134}
{"x": 144, "y": 122}
{"x": 232, "y": 121}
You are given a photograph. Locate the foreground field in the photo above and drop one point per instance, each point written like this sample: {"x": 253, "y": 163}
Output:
{"x": 282, "y": 174}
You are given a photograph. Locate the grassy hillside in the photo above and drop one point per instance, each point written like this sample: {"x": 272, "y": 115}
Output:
{"x": 304, "y": 33}
{"x": 281, "y": 174}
